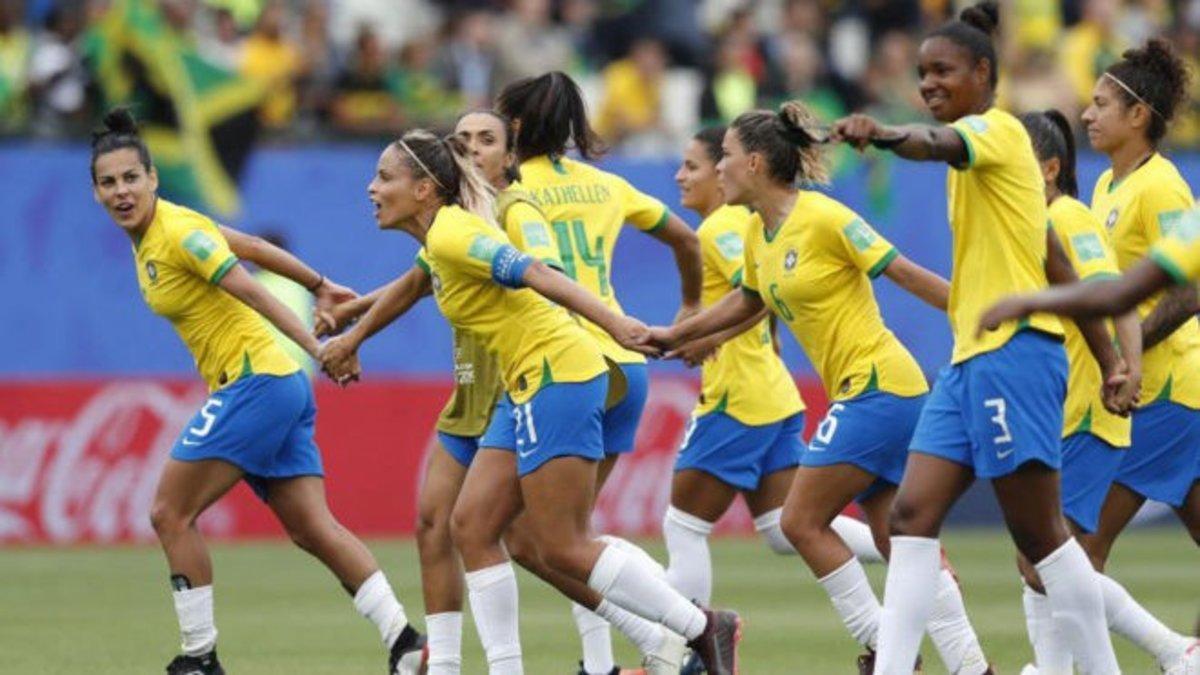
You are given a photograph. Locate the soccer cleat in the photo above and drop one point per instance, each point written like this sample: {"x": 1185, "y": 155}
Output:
{"x": 196, "y": 665}
{"x": 692, "y": 666}
{"x": 667, "y": 658}
{"x": 866, "y": 663}
{"x": 617, "y": 670}
{"x": 717, "y": 644}
{"x": 409, "y": 654}
{"x": 1188, "y": 663}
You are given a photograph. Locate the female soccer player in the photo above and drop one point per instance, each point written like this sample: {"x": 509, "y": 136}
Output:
{"x": 587, "y": 208}
{"x": 467, "y": 414}
{"x": 257, "y": 424}
{"x": 746, "y": 431}
{"x": 555, "y": 382}
{"x": 810, "y": 260}
{"x": 996, "y": 411}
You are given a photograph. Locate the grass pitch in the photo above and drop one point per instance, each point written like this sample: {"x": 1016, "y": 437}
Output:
{"x": 101, "y": 611}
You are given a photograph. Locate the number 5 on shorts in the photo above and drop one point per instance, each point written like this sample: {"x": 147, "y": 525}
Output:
{"x": 828, "y": 426}
{"x": 1001, "y": 408}
{"x": 209, "y": 416}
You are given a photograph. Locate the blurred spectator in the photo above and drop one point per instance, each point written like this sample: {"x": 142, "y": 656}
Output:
{"x": 632, "y": 99}
{"x": 421, "y": 95}
{"x": 1091, "y": 46}
{"x": 1185, "y": 130}
{"x": 891, "y": 81}
{"x": 467, "y": 61}
{"x": 1038, "y": 24}
{"x": 730, "y": 89}
{"x": 57, "y": 80}
{"x": 294, "y": 297}
{"x": 16, "y": 47}
{"x": 315, "y": 84}
{"x": 222, "y": 43}
{"x": 362, "y": 103}
{"x": 577, "y": 18}
{"x": 1036, "y": 83}
{"x": 269, "y": 56}
{"x": 529, "y": 44}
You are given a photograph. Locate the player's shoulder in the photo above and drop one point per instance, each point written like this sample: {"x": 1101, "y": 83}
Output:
{"x": 726, "y": 218}
{"x": 179, "y": 220}
{"x": 1069, "y": 215}
{"x": 1160, "y": 180}
{"x": 824, "y": 211}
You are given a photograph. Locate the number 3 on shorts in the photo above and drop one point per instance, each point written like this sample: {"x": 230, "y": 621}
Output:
{"x": 207, "y": 412}
{"x": 1001, "y": 408}
{"x": 828, "y": 426}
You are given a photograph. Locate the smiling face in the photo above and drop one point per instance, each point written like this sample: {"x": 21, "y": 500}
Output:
{"x": 125, "y": 188}
{"x": 953, "y": 84}
{"x": 733, "y": 171}
{"x": 699, "y": 187}
{"x": 395, "y": 192}
{"x": 486, "y": 139}
{"x": 1110, "y": 123}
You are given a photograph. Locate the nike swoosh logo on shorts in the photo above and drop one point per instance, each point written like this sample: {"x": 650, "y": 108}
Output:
{"x": 187, "y": 442}
{"x": 523, "y": 455}
{"x": 1001, "y": 454}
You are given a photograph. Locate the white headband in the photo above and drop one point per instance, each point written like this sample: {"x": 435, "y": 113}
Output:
{"x": 1134, "y": 94}
{"x": 424, "y": 168}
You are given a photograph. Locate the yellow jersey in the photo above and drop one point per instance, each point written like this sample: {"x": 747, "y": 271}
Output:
{"x": 1138, "y": 211}
{"x": 997, "y": 211}
{"x": 1179, "y": 252}
{"x": 180, "y": 260}
{"x": 745, "y": 379}
{"x": 586, "y": 208}
{"x": 815, "y": 274}
{"x": 536, "y": 341}
{"x": 1087, "y": 246}
{"x": 477, "y": 380}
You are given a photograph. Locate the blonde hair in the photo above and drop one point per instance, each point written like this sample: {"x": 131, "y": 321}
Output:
{"x": 447, "y": 162}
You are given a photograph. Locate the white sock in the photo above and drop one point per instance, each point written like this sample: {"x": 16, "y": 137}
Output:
{"x": 854, "y": 601}
{"x": 951, "y": 632}
{"x": 908, "y": 601}
{"x": 597, "y": 643}
{"x": 1073, "y": 589}
{"x": 690, "y": 568}
{"x": 1130, "y": 620}
{"x": 644, "y": 635}
{"x": 376, "y": 601}
{"x": 194, "y": 609}
{"x": 493, "y": 595}
{"x": 638, "y": 590}
{"x": 445, "y": 642}
{"x": 1050, "y": 652}
{"x": 857, "y": 536}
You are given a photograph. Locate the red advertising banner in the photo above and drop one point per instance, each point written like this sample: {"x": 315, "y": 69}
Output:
{"x": 79, "y": 460}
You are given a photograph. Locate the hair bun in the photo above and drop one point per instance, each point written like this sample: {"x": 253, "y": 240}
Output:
{"x": 796, "y": 123}
{"x": 120, "y": 121}
{"x": 982, "y": 15}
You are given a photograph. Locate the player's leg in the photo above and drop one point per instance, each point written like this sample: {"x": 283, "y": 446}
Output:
{"x": 441, "y": 570}
{"x": 489, "y": 501}
{"x": 1189, "y": 510}
{"x": 698, "y": 500}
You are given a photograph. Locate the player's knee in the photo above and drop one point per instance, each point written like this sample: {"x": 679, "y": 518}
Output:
{"x": 167, "y": 520}
{"x": 433, "y": 521}
{"x": 1039, "y": 542}
{"x": 524, "y": 553}
{"x": 567, "y": 558}
{"x": 908, "y": 519}
{"x": 801, "y": 530}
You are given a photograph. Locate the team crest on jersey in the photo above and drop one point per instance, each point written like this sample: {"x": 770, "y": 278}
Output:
{"x": 1112, "y": 219}
{"x": 436, "y": 282}
{"x": 152, "y": 271}
{"x": 789, "y": 260}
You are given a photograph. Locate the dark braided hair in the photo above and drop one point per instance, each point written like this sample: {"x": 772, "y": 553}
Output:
{"x": 1159, "y": 77}
{"x": 120, "y": 131}
{"x": 973, "y": 30}
{"x": 1052, "y": 137}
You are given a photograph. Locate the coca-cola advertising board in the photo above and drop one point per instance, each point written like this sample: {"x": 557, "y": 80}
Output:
{"x": 79, "y": 460}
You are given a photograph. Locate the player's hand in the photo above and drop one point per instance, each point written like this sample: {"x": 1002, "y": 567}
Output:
{"x": 858, "y": 130}
{"x": 634, "y": 335}
{"x": 696, "y": 352}
{"x": 1009, "y": 309}
{"x": 330, "y": 294}
{"x": 339, "y": 360}
{"x": 686, "y": 312}
{"x": 1121, "y": 391}
{"x": 333, "y": 320}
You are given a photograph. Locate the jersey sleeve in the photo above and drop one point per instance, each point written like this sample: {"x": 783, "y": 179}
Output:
{"x": 640, "y": 209}
{"x": 528, "y": 230}
{"x": 1178, "y": 253}
{"x": 421, "y": 259}
{"x": 989, "y": 140}
{"x": 480, "y": 255}
{"x": 725, "y": 252}
{"x": 1086, "y": 245}
{"x": 1164, "y": 210}
{"x": 203, "y": 250}
{"x": 749, "y": 267}
{"x": 864, "y": 247}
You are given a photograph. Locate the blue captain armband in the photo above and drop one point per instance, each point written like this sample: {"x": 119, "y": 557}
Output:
{"x": 509, "y": 265}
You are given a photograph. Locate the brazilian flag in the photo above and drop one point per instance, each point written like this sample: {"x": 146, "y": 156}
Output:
{"x": 198, "y": 120}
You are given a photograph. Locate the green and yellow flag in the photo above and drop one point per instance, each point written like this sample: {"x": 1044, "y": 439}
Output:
{"x": 197, "y": 119}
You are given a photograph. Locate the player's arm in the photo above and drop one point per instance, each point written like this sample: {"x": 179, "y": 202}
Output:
{"x": 274, "y": 259}
{"x": 920, "y": 142}
{"x": 241, "y": 285}
{"x": 1090, "y": 299}
{"x": 1060, "y": 272}
{"x": 686, "y": 246}
{"x": 339, "y": 356}
{"x": 731, "y": 311}
{"x": 339, "y": 316}
{"x": 561, "y": 289}
{"x": 919, "y": 281}
{"x": 1177, "y": 305}
{"x": 697, "y": 351}
{"x": 1129, "y": 340}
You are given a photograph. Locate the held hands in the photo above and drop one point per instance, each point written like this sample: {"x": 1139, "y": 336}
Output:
{"x": 328, "y": 296}
{"x": 339, "y": 360}
{"x": 686, "y": 312}
{"x": 1121, "y": 391}
{"x": 634, "y": 335}
{"x": 696, "y": 352}
{"x": 334, "y": 320}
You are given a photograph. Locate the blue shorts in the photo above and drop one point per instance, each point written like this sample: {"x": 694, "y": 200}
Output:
{"x": 872, "y": 432}
{"x": 461, "y": 448}
{"x": 1089, "y": 465}
{"x": 262, "y": 424}
{"x": 621, "y": 421}
{"x": 563, "y": 419}
{"x": 740, "y": 454}
{"x": 998, "y": 410}
{"x": 1164, "y": 459}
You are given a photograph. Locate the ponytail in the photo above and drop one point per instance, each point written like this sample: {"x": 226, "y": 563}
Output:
{"x": 786, "y": 140}
{"x": 1052, "y": 138}
{"x": 552, "y": 116}
{"x": 447, "y": 163}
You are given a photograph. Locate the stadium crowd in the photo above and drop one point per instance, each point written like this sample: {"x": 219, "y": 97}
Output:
{"x": 653, "y": 69}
